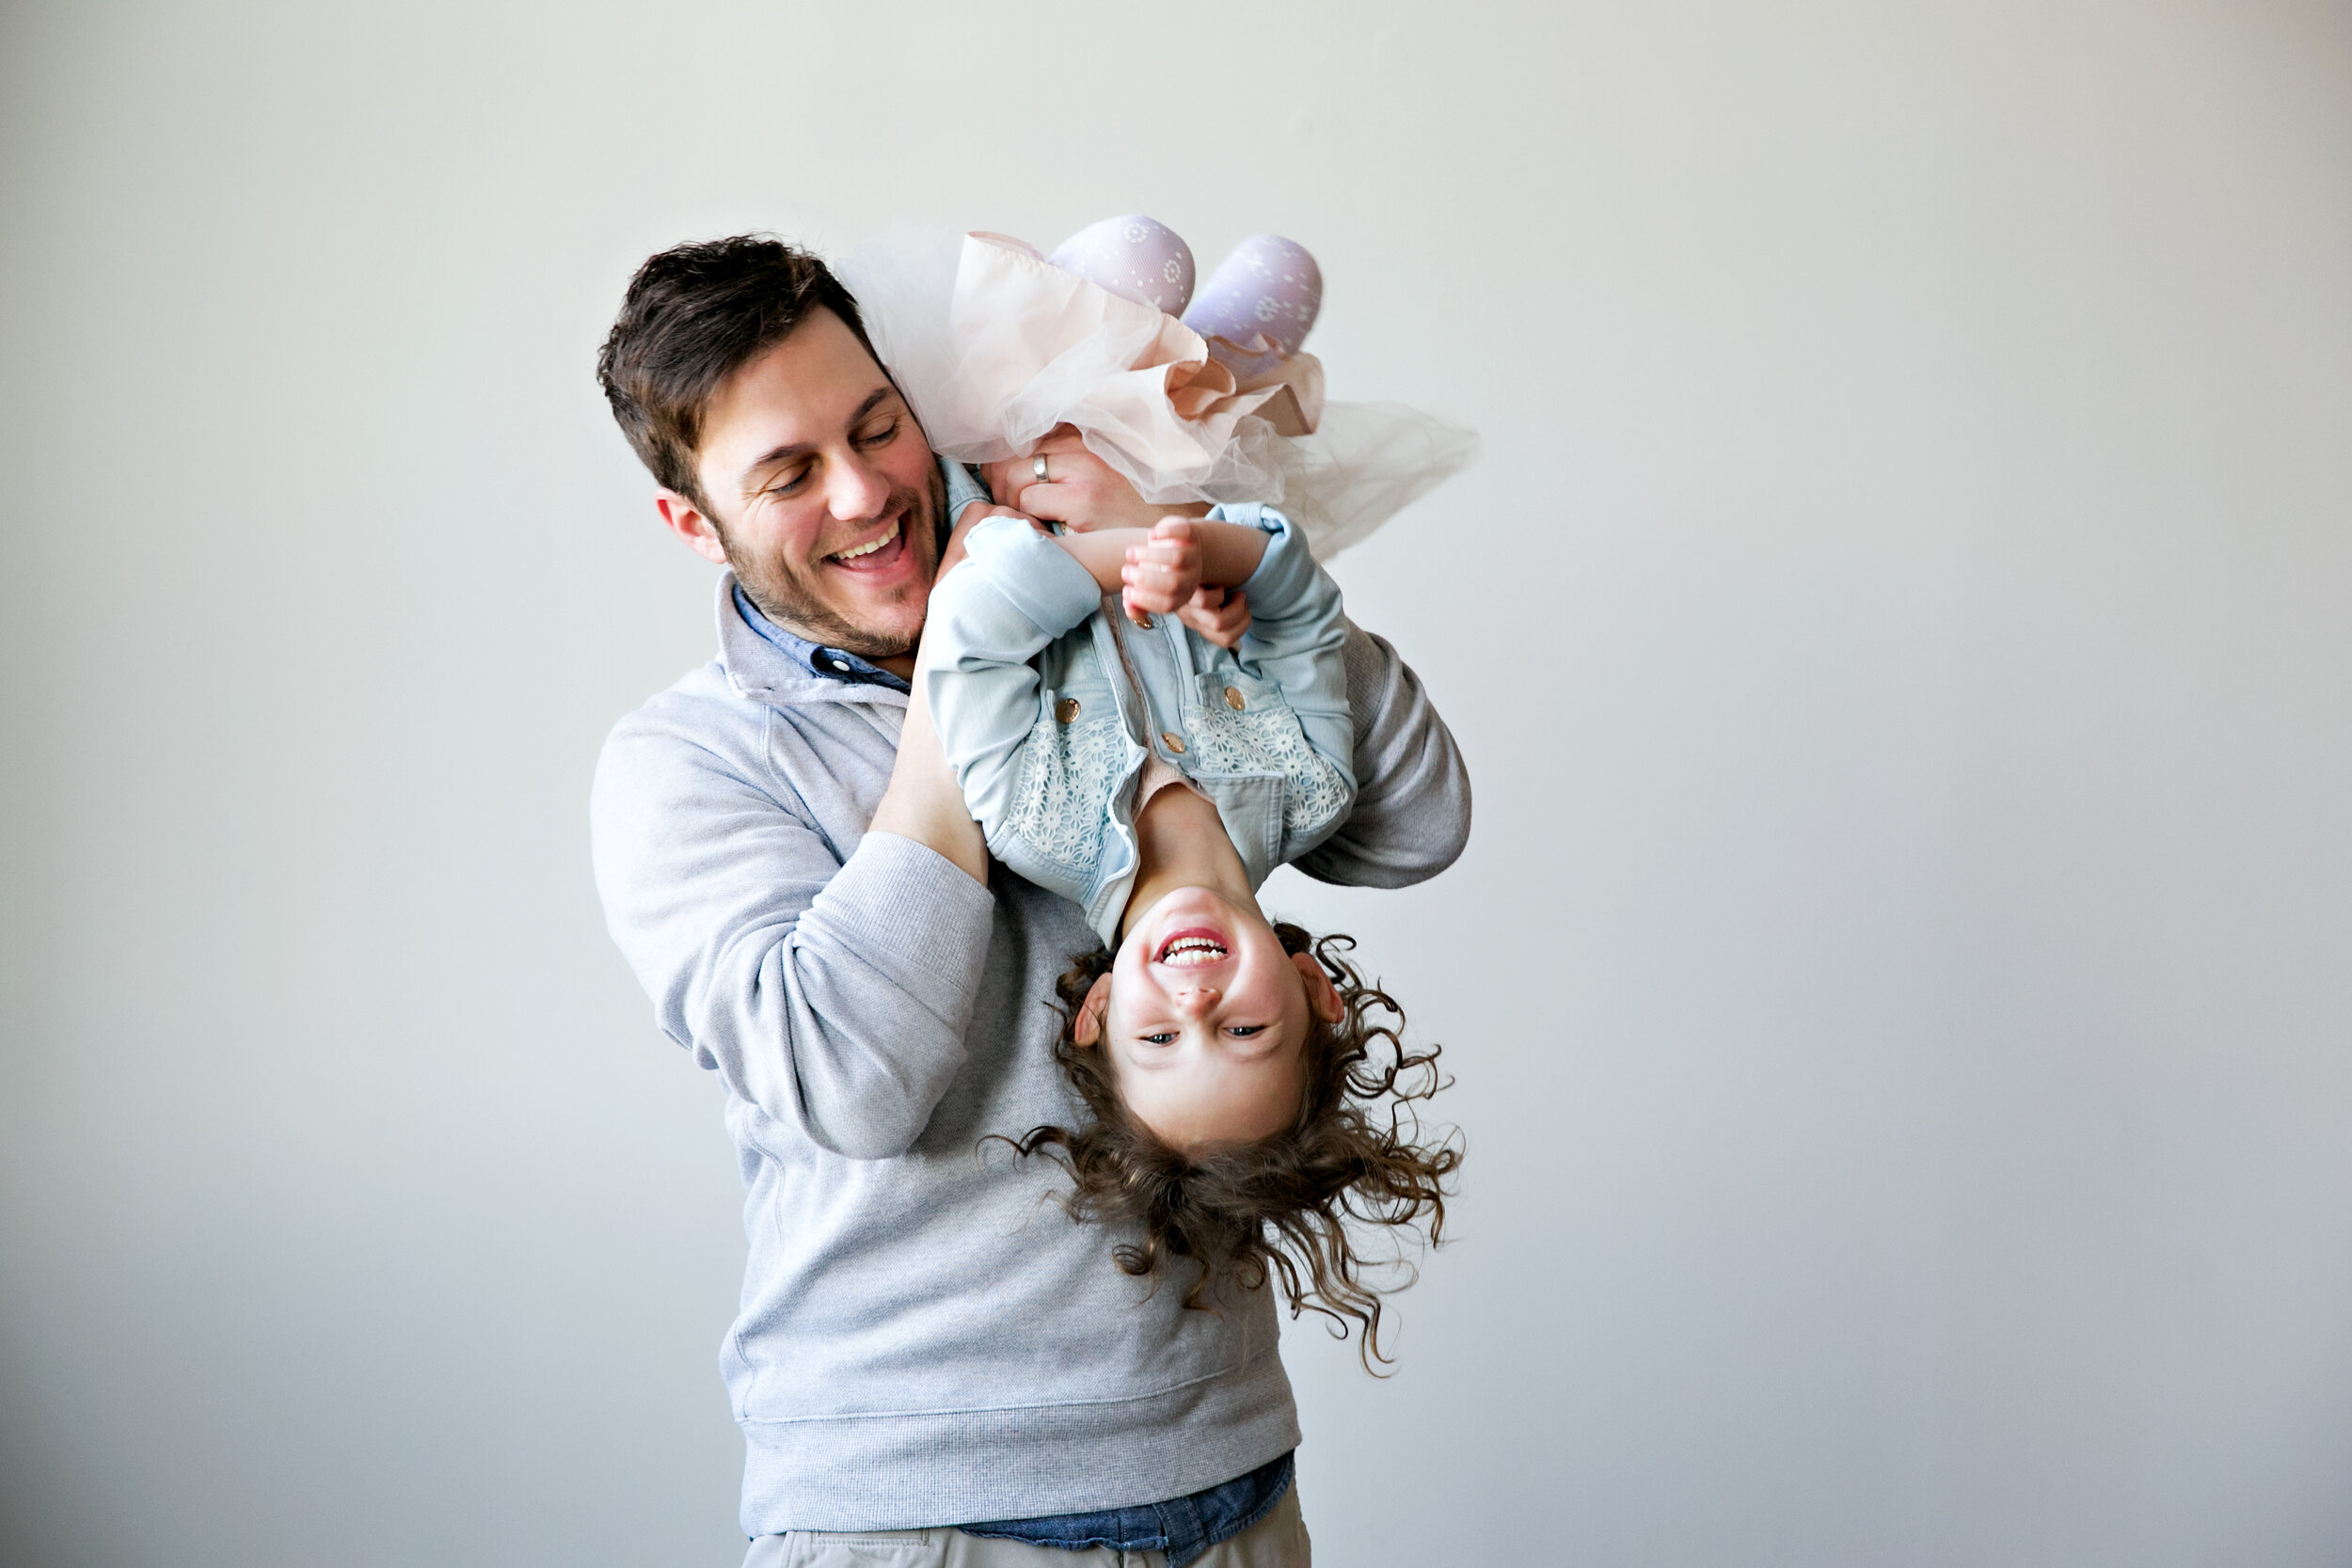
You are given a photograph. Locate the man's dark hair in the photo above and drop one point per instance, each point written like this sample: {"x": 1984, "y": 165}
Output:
{"x": 1280, "y": 1207}
{"x": 692, "y": 315}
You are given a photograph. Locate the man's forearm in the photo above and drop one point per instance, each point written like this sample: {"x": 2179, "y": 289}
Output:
{"x": 923, "y": 802}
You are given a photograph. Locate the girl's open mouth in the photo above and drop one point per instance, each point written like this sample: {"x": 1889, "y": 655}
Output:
{"x": 1197, "y": 945}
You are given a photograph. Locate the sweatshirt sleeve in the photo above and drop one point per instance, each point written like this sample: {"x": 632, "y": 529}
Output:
{"x": 1016, "y": 592}
{"x": 832, "y": 995}
{"x": 1412, "y": 813}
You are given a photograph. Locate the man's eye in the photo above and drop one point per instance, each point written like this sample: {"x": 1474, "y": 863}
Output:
{"x": 788, "y": 483}
{"x": 880, "y": 435}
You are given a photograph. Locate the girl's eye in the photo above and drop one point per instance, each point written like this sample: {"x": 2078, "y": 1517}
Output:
{"x": 1243, "y": 1031}
{"x": 1163, "y": 1038}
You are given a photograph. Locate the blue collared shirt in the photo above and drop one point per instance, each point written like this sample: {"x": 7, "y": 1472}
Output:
{"x": 831, "y": 663}
{"x": 1182, "y": 1528}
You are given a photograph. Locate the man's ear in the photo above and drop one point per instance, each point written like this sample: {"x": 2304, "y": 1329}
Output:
{"x": 685, "y": 519}
{"x": 1087, "y": 1028}
{"x": 1322, "y": 995}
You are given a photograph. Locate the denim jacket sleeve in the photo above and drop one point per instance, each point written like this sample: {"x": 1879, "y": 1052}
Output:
{"x": 963, "y": 491}
{"x": 1298, "y": 632}
{"x": 1016, "y": 592}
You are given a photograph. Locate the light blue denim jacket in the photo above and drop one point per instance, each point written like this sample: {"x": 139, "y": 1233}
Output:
{"x": 1048, "y": 700}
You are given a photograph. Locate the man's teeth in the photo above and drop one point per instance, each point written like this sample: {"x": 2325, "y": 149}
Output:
{"x": 869, "y": 549}
{"x": 1192, "y": 950}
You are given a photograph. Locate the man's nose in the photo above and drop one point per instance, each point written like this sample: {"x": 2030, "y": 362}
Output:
{"x": 1194, "y": 1002}
{"x": 856, "y": 489}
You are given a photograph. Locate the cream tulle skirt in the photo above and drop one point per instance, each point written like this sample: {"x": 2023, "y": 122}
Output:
{"x": 994, "y": 347}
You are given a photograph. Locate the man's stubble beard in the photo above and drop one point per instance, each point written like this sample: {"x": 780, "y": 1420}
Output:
{"x": 780, "y": 597}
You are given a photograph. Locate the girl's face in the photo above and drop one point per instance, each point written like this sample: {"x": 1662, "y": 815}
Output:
{"x": 1204, "y": 1018}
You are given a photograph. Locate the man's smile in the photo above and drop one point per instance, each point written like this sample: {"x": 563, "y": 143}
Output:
{"x": 869, "y": 549}
{"x": 883, "y": 550}
{"x": 878, "y": 558}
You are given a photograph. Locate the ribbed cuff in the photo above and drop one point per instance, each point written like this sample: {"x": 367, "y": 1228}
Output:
{"x": 918, "y": 917}
{"x": 946, "y": 1467}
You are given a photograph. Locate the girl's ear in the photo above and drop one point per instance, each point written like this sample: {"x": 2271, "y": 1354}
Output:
{"x": 1087, "y": 1028}
{"x": 1322, "y": 995}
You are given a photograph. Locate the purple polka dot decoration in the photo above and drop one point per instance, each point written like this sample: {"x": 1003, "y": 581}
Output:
{"x": 1268, "y": 285}
{"x": 1134, "y": 257}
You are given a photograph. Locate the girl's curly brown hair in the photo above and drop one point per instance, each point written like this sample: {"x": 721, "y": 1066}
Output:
{"x": 1280, "y": 1207}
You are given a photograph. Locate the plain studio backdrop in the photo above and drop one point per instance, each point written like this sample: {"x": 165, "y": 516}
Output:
{"x": 1900, "y": 981}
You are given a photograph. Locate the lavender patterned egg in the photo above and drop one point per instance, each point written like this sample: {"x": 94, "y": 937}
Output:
{"x": 1268, "y": 285}
{"x": 1134, "y": 257}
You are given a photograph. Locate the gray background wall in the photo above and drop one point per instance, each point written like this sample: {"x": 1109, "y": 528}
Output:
{"x": 1899, "y": 986}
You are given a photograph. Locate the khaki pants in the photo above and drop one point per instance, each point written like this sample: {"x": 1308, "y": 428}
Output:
{"x": 1276, "y": 1541}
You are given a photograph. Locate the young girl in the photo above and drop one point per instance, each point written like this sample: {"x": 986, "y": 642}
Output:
{"x": 1157, "y": 777}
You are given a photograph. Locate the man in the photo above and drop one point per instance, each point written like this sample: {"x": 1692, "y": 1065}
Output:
{"x": 925, "y": 1341}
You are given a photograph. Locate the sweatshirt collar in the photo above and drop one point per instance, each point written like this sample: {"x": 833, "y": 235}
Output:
{"x": 784, "y": 670}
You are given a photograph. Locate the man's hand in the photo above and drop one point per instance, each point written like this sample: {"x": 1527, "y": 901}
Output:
{"x": 1080, "y": 491}
{"x": 1219, "y": 614}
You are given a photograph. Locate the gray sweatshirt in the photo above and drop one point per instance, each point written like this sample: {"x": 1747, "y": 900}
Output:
{"x": 924, "y": 1338}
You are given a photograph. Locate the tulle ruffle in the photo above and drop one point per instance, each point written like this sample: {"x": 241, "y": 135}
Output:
{"x": 994, "y": 347}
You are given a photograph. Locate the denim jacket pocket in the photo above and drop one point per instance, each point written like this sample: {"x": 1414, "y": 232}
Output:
{"x": 1242, "y": 725}
{"x": 1076, "y": 753}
